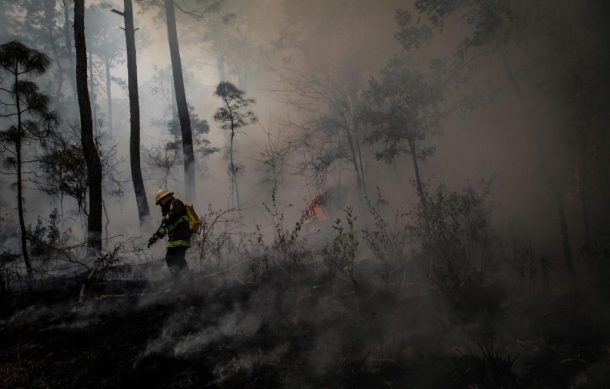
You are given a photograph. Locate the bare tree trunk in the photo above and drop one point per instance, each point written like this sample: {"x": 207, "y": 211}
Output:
{"x": 174, "y": 105}
{"x": 92, "y": 159}
{"x": 134, "y": 111}
{"x": 183, "y": 112}
{"x": 233, "y": 170}
{"x": 108, "y": 93}
{"x": 561, "y": 214}
{"x": 68, "y": 43}
{"x": 92, "y": 92}
{"x": 24, "y": 247}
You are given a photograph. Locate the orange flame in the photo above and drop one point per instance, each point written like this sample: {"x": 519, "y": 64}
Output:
{"x": 314, "y": 210}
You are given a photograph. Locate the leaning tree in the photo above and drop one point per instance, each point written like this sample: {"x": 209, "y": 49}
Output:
{"x": 27, "y": 109}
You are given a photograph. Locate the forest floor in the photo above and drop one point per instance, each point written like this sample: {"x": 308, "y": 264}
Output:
{"x": 287, "y": 331}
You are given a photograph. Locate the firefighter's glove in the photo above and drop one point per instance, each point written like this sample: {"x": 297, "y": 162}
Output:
{"x": 152, "y": 240}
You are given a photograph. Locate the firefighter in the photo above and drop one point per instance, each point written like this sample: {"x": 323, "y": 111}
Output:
{"x": 175, "y": 225}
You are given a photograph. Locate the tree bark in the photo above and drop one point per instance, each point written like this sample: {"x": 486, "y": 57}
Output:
{"x": 92, "y": 91}
{"x": 24, "y": 247}
{"x": 134, "y": 112}
{"x": 92, "y": 159}
{"x": 183, "y": 112}
{"x": 68, "y": 43}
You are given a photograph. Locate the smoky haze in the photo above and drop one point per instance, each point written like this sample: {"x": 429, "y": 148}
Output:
{"x": 264, "y": 42}
{"x": 403, "y": 186}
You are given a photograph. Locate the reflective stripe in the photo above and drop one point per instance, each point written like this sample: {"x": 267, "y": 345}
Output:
{"x": 183, "y": 219}
{"x": 178, "y": 243}
{"x": 164, "y": 230}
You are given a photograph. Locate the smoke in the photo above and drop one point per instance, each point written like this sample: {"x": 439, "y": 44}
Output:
{"x": 175, "y": 341}
{"x": 264, "y": 43}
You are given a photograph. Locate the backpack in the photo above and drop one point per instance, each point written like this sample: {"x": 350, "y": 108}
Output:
{"x": 194, "y": 221}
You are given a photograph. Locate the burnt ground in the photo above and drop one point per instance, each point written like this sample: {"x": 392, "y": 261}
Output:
{"x": 313, "y": 330}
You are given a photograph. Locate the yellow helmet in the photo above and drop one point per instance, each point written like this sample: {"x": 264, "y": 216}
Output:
{"x": 161, "y": 194}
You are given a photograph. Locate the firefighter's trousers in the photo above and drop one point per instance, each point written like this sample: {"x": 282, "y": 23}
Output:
{"x": 175, "y": 260}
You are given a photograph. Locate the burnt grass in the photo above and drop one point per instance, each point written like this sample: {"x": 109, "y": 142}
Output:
{"x": 311, "y": 330}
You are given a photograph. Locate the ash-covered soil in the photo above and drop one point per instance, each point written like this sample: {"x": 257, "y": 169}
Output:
{"x": 311, "y": 330}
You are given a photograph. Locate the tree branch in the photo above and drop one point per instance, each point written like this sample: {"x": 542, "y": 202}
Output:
{"x": 198, "y": 15}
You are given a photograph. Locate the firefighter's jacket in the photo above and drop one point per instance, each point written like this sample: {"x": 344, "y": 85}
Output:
{"x": 175, "y": 224}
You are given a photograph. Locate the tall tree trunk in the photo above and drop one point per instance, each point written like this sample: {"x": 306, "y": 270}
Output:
{"x": 174, "y": 105}
{"x": 183, "y": 111}
{"x": 24, "y": 247}
{"x": 108, "y": 93}
{"x": 92, "y": 91}
{"x": 92, "y": 159}
{"x": 68, "y": 43}
{"x": 232, "y": 167}
{"x": 134, "y": 112}
{"x": 546, "y": 172}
